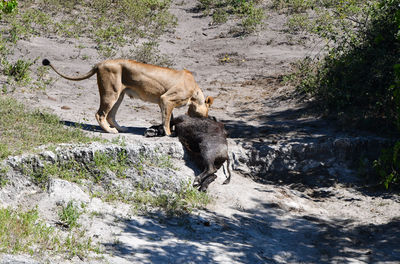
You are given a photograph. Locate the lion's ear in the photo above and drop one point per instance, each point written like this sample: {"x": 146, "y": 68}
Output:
{"x": 209, "y": 100}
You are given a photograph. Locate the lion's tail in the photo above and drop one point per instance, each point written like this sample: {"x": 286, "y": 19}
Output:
{"x": 46, "y": 62}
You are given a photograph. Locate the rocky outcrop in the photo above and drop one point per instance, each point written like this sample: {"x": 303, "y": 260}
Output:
{"x": 322, "y": 161}
{"x": 155, "y": 166}
{"x": 314, "y": 161}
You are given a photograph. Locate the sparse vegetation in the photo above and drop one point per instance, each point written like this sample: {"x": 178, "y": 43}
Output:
{"x": 25, "y": 232}
{"x": 97, "y": 171}
{"x": 296, "y": 6}
{"x": 77, "y": 172}
{"x": 24, "y": 130}
{"x": 43, "y": 80}
{"x": 19, "y": 71}
{"x": 149, "y": 53}
{"x": 3, "y": 173}
{"x": 111, "y": 24}
{"x": 183, "y": 202}
{"x": 251, "y": 15}
{"x": 143, "y": 200}
{"x": 70, "y": 214}
{"x": 156, "y": 160}
{"x": 102, "y": 162}
{"x": 231, "y": 57}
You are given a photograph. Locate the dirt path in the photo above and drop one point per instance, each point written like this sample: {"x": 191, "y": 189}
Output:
{"x": 248, "y": 222}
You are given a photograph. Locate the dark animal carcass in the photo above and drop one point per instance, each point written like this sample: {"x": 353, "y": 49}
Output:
{"x": 205, "y": 139}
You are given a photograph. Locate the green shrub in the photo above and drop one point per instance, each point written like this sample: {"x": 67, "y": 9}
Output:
{"x": 148, "y": 52}
{"x": 388, "y": 166}
{"x": 70, "y": 214}
{"x": 354, "y": 81}
{"x": 8, "y": 6}
{"x": 180, "y": 203}
{"x": 19, "y": 71}
{"x": 358, "y": 81}
{"x": 102, "y": 162}
{"x": 250, "y": 14}
{"x": 298, "y": 23}
{"x": 3, "y": 176}
{"x": 297, "y": 6}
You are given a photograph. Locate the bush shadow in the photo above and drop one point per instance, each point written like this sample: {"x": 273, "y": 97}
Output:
{"x": 264, "y": 235}
{"x": 301, "y": 137}
{"x": 294, "y": 124}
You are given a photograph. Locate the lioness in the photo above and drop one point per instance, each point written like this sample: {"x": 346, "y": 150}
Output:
{"x": 166, "y": 87}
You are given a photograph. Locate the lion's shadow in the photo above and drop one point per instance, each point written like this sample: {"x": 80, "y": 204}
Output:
{"x": 95, "y": 128}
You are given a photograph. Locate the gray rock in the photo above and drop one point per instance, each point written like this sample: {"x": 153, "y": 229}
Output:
{"x": 338, "y": 157}
{"x": 17, "y": 259}
{"x": 62, "y": 192}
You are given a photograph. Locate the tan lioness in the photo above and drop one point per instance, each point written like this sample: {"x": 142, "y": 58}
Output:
{"x": 166, "y": 87}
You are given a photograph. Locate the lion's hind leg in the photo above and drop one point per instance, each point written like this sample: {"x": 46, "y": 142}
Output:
{"x": 101, "y": 119}
{"x": 111, "y": 115}
{"x": 108, "y": 98}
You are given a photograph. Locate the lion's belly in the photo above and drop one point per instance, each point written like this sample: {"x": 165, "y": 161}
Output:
{"x": 144, "y": 96}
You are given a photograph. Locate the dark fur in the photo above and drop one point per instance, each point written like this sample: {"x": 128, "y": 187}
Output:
{"x": 205, "y": 139}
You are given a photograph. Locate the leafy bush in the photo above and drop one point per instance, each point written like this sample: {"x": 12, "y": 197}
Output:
{"x": 149, "y": 53}
{"x": 358, "y": 81}
{"x": 354, "y": 81}
{"x": 388, "y": 166}
{"x": 7, "y": 6}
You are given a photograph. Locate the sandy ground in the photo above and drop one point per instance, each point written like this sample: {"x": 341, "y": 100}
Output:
{"x": 249, "y": 222}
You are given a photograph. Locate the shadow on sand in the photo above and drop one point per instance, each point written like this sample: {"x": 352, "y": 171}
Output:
{"x": 267, "y": 236}
{"x": 96, "y": 128}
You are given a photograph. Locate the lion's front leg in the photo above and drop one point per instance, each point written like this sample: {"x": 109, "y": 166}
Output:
{"x": 166, "y": 112}
{"x": 108, "y": 98}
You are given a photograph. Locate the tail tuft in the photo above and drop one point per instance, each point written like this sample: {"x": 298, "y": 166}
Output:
{"x": 46, "y": 62}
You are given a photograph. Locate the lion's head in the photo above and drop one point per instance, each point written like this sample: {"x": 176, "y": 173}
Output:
{"x": 200, "y": 110}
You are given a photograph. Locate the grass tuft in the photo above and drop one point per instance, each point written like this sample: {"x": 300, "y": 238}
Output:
{"x": 249, "y": 13}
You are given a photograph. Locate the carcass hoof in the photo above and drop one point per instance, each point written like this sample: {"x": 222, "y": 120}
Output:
{"x": 206, "y": 182}
{"x": 155, "y": 131}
